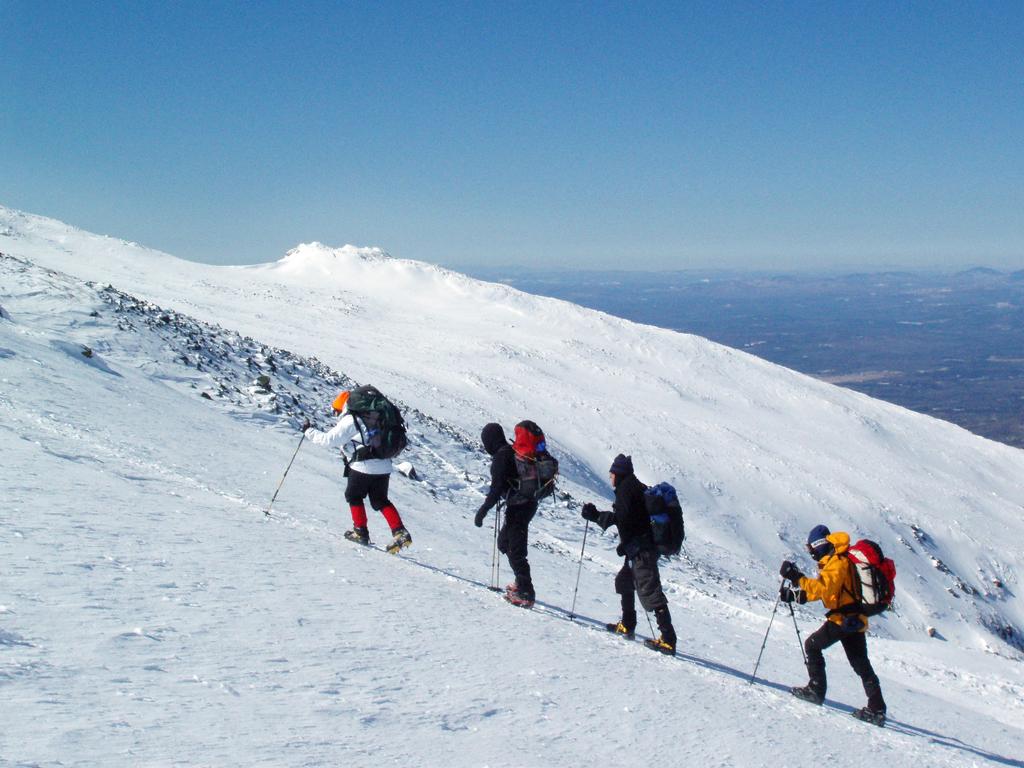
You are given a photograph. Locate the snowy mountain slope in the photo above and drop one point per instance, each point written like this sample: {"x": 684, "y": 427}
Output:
{"x": 152, "y": 615}
{"x": 759, "y": 453}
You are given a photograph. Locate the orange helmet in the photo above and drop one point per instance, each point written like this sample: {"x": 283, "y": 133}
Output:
{"x": 339, "y": 402}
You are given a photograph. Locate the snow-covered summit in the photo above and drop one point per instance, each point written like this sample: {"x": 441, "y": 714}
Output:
{"x": 313, "y": 260}
{"x": 318, "y": 264}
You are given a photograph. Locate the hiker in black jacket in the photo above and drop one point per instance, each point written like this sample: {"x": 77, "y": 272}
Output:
{"x": 512, "y": 538}
{"x": 639, "y": 573}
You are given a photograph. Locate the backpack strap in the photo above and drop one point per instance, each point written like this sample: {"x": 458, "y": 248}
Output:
{"x": 513, "y": 481}
{"x": 355, "y": 448}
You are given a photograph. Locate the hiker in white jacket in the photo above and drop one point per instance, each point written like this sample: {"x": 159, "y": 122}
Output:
{"x": 367, "y": 476}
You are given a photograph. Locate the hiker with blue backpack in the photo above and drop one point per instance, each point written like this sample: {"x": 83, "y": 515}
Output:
{"x": 853, "y": 583}
{"x": 639, "y": 574}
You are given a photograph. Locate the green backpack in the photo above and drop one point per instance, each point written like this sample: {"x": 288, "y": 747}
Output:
{"x": 380, "y": 423}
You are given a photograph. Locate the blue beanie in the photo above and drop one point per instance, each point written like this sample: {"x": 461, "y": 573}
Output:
{"x": 622, "y": 465}
{"x": 817, "y": 542}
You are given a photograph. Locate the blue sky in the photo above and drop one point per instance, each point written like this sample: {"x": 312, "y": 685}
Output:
{"x": 648, "y": 135}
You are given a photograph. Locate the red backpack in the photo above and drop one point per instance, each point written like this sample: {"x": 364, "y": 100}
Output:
{"x": 876, "y": 577}
{"x": 529, "y": 440}
{"x": 536, "y": 467}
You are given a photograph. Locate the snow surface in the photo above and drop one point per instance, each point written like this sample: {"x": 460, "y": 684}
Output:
{"x": 153, "y": 615}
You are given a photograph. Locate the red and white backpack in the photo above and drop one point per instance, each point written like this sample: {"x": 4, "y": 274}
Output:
{"x": 876, "y": 576}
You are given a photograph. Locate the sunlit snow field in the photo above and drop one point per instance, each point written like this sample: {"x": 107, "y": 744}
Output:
{"x": 150, "y": 614}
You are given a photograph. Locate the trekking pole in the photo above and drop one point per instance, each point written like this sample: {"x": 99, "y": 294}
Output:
{"x": 495, "y": 557}
{"x": 797, "y": 628}
{"x": 648, "y": 615}
{"x": 770, "y": 621}
{"x": 494, "y": 553}
{"x": 497, "y": 550}
{"x": 267, "y": 510}
{"x": 572, "y": 611}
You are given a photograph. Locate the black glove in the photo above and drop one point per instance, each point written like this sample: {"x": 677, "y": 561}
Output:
{"x": 589, "y": 512}
{"x": 478, "y": 520}
{"x": 306, "y": 425}
{"x": 790, "y": 571}
{"x": 788, "y": 595}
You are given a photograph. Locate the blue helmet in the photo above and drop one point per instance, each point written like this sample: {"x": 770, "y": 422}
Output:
{"x": 817, "y": 542}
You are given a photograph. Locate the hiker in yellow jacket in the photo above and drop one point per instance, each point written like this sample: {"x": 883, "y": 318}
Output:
{"x": 837, "y": 587}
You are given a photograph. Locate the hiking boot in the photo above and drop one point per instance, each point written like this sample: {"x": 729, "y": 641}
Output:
{"x": 868, "y": 715}
{"x": 516, "y": 597}
{"x": 401, "y": 541}
{"x": 806, "y": 693}
{"x": 661, "y": 645}
{"x": 620, "y": 629}
{"x": 358, "y": 535}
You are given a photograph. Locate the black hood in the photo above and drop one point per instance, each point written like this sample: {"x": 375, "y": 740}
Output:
{"x": 493, "y": 438}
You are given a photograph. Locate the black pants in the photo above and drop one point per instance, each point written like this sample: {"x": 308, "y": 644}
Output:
{"x": 639, "y": 576}
{"x": 375, "y": 486}
{"x": 513, "y": 542}
{"x": 856, "y": 646}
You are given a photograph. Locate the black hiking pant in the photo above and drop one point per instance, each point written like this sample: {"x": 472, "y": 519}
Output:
{"x": 856, "y": 646}
{"x": 361, "y": 485}
{"x": 513, "y": 542}
{"x": 639, "y": 576}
